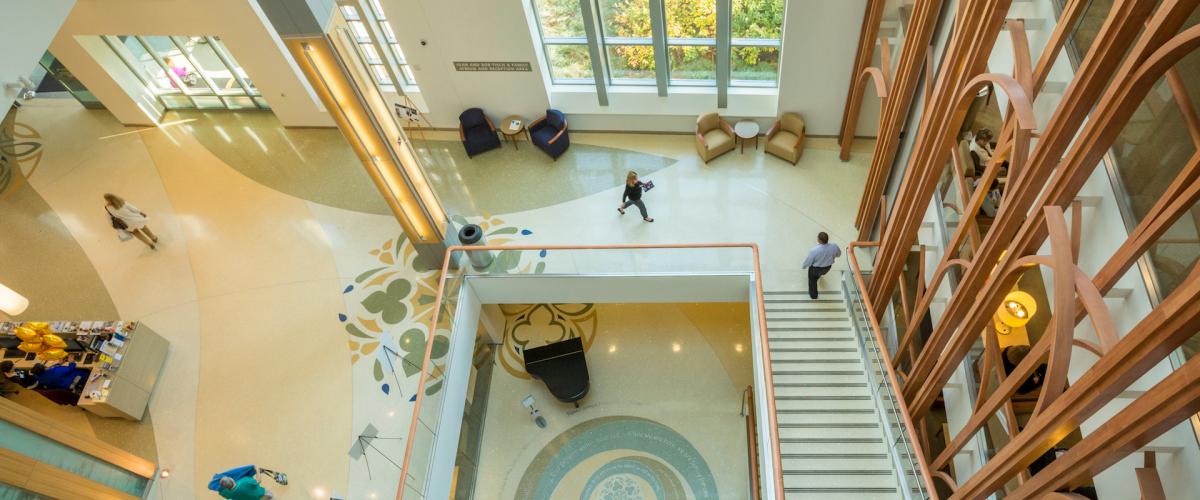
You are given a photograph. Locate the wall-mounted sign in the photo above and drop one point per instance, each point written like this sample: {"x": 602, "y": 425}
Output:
{"x": 491, "y": 66}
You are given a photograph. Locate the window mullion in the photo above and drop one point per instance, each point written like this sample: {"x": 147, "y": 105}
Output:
{"x": 658, "y": 30}
{"x": 724, "y": 13}
{"x": 591, "y": 29}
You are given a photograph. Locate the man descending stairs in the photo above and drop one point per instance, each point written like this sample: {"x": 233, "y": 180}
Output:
{"x": 831, "y": 442}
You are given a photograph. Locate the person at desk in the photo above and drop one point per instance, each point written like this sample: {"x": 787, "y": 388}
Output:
{"x": 58, "y": 376}
{"x": 21, "y": 378}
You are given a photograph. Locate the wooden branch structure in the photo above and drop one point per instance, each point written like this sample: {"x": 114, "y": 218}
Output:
{"x": 1039, "y": 228}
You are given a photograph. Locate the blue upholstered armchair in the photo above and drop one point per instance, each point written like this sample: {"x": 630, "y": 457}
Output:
{"x": 550, "y": 133}
{"x": 476, "y": 131}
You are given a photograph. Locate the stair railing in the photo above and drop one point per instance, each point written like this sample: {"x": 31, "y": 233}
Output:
{"x": 907, "y": 459}
{"x": 747, "y": 411}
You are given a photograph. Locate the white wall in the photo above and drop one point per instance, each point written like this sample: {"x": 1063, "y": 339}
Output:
{"x": 820, "y": 40}
{"x": 469, "y": 30}
{"x": 26, "y": 28}
{"x": 239, "y": 23}
{"x": 819, "y": 43}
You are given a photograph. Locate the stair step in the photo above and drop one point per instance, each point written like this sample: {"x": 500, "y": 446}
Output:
{"x": 827, "y": 448}
{"x": 785, "y": 417}
{"x": 810, "y": 321}
{"x": 863, "y": 481}
{"x": 838, "y": 472}
{"x": 830, "y": 456}
{"x": 832, "y": 425}
{"x": 783, "y": 360}
{"x": 841, "y": 493}
{"x": 830, "y": 434}
{"x": 832, "y": 341}
{"x": 822, "y": 398}
{"x": 811, "y": 310}
{"x": 824, "y": 404}
{"x": 834, "y": 390}
{"x": 829, "y": 330}
{"x": 813, "y": 349}
{"x": 817, "y": 372}
{"x": 797, "y": 377}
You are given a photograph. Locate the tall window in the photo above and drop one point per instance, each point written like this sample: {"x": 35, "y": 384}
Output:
{"x": 565, "y": 41}
{"x": 628, "y": 41}
{"x": 629, "y": 32}
{"x": 757, "y": 26}
{"x": 692, "y": 41}
{"x": 187, "y": 71}
{"x": 360, "y": 22}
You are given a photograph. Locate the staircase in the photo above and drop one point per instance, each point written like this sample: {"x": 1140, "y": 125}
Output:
{"x": 831, "y": 442}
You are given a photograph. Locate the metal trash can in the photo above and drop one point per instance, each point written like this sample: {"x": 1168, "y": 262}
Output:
{"x": 472, "y": 234}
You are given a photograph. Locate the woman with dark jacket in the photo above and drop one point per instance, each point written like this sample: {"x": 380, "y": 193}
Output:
{"x": 633, "y": 196}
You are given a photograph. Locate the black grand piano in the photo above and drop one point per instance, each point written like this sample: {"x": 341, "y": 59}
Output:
{"x": 562, "y": 367}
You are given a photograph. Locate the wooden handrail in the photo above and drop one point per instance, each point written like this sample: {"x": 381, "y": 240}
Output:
{"x": 762, "y": 333}
{"x": 926, "y": 477}
{"x": 35, "y": 422}
{"x": 752, "y": 442}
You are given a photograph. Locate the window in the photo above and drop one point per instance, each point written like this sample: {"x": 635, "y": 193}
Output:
{"x": 630, "y": 34}
{"x": 628, "y": 41}
{"x": 187, "y": 71}
{"x": 692, "y": 41}
{"x": 370, "y": 43}
{"x": 565, "y": 41}
{"x": 757, "y": 26}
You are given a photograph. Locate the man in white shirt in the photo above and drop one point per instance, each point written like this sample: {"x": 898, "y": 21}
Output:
{"x": 819, "y": 260}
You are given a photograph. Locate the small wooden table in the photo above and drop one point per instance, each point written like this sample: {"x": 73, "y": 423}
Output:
{"x": 745, "y": 130}
{"x": 510, "y": 132}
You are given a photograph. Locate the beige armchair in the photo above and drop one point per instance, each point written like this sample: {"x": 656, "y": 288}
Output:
{"x": 714, "y": 136}
{"x": 786, "y": 137}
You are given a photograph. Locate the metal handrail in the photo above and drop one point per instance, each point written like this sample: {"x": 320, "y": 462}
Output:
{"x": 870, "y": 355}
{"x": 897, "y": 400}
{"x": 773, "y": 432}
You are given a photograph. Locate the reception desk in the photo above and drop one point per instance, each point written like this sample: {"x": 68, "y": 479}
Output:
{"x": 125, "y": 359}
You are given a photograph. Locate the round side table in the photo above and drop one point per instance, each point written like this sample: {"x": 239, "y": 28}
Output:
{"x": 512, "y": 126}
{"x": 746, "y": 130}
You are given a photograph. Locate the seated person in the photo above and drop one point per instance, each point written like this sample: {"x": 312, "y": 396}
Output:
{"x": 982, "y": 150}
{"x": 1012, "y": 356}
{"x": 21, "y": 378}
{"x": 58, "y": 376}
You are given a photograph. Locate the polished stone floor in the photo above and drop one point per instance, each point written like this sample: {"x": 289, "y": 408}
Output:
{"x": 290, "y": 298}
{"x": 664, "y": 404}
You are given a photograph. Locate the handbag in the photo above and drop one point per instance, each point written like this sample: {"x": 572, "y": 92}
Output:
{"x": 647, "y": 185}
{"x": 124, "y": 235}
{"x": 117, "y": 223}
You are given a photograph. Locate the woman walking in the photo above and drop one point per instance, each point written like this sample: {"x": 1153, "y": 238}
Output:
{"x": 633, "y": 196}
{"x": 125, "y": 214}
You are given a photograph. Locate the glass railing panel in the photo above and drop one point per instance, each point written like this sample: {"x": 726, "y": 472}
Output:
{"x": 905, "y": 460}
{"x": 10, "y": 492}
{"x": 423, "y": 441}
{"x": 616, "y": 261}
{"x": 53, "y": 453}
{"x": 559, "y": 261}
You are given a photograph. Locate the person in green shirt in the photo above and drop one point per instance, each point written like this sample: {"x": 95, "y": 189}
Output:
{"x": 246, "y": 488}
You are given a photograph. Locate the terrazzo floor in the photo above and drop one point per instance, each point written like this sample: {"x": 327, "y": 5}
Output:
{"x": 290, "y": 298}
